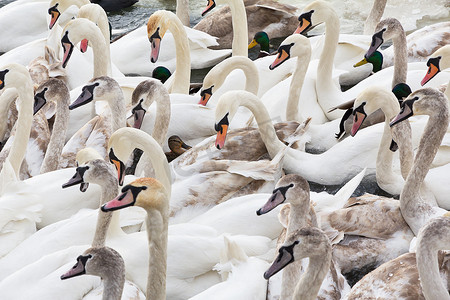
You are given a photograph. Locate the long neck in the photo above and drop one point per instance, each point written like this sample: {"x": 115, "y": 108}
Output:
{"x": 410, "y": 201}
{"x": 157, "y": 232}
{"x": 24, "y": 120}
{"x": 240, "y": 32}
{"x": 113, "y": 285}
{"x": 266, "y": 129}
{"x": 56, "y": 143}
{"x": 157, "y": 157}
{"x": 295, "y": 87}
{"x": 162, "y": 116}
{"x": 385, "y": 156}
{"x": 102, "y": 57}
{"x": 427, "y": 263}
{"x": 292, "y": 272}
{"x": 182, "y": 10}
{"x": 325, "y": 67}
{"x": 400, "y": 58}
{"x": 182, "y": 75}
{"x": 308, "y": 286}
{"x": 117, "y": 105}
{"x": 374, "y": 16}
{"x": 109, "y": 191}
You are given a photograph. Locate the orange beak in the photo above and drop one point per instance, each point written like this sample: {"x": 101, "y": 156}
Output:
{"x": 54, "y": 17}
{"x": 281, "y": 57}
{"x": 432, "y": 71}
{"x": 221, "y": 136}
{"x": 211, "y": 4}
{"x": 302, "y": 27}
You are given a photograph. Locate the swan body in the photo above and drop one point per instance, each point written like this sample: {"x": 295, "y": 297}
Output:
{"x": 131, "y": 52}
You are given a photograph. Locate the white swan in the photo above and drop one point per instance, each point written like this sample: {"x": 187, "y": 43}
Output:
{"x": 433, "y": 103}
{"x": 335, "y": 166}
{"x": 131, "y": 52}
{"x": 439, "y": 61}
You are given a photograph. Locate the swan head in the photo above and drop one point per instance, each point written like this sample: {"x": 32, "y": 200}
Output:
{"x": 148, "y": 193}
{"x": 95, "y": 171}
{"x": 370, "y": 100}
{"x": 376, "y": 59}
{"x": 386, "y": 29}
{"x": 57, "y": 8}
{"x": 292, "y": 46}
{"x": 53, "y": 89}
{"x": 315, "y": 13}
{"x": 102, "y": 87}
{"x": 99, "y": 261}
{"x": 75, "y": 31}
{"x": 438, "y": 61}
{"x": 305, "y": 242}
{"x": 292, "y": 189}
{"x": 426, "y": 101}
{"x": 157, "y": 25}
{"x": 14, "y": 75}
{"x": 54, "y": 13}
{"x": 143, "y": 96}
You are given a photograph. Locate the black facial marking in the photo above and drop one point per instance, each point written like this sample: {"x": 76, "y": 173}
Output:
{"x": 306, "y": 16}
{"x": 155, "y": 35}
{"x": 53, "y": 9}
{"x": 344, "y": 118}
{"x": 393, "y": 147}
{"x": 206, "y": 91}
{"x": 77, "y": 178}
{"x": 359, "y": 109}
{"x": 224, "y": 121}
{"x": 65, "y": 41}
{"x": 434, "y": 61}
{"x": 135, "y": 190}
{"x": 282, "y": 190}
{"x": 86, "y": 96}
{"x": 2, "y": 78}
{"x": 39, "y": 101}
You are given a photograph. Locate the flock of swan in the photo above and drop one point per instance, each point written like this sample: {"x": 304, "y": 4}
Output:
{"x": 162, "y": 194}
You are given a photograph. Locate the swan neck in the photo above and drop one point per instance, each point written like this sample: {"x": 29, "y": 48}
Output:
{"x": 182, "y": 10}
{"x": 101, "y": 51}
{"x": 118, "y": 111}
{"x": 182, "y": 76}
{"x": 109, "y": 191}
{"x": 400, "y": 58}
{"x": 427, "y": 263}
{"x": 162, "y": 120}
{"x": 308, "y": 286}
{"x": 240, "y": 32}
{"x": 374, "y": 16}
{"x": 295, "y": 88}
{"x": 157, "y": 232}
{"x": 113, "y": 285}
{"x": 410, "y": 201}
{"x": 23, "y": 125}
{"x": 406, "y": 153}
{"x": 325, "y": 67}
{"x": 266, "y": 129}
{"x": 56, "y": 143}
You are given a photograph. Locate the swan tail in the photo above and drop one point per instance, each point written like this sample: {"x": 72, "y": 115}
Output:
{"x": 230, "y": 255}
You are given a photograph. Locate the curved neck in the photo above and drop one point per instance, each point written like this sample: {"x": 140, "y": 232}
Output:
{"x": 157, "y": 232}
{"x": 410, "y": 201}
{"x": 240, "y": 32}
{"x": 295, "y": 87}
{"x": 56, "y": 143}
{"x": 102, "y": 58}
{"x": 117, "y": 105}
{"x": 265, "y": 126}
{"x": 427, "y": 263}
{"x": 113, "y": 287}
{"x": 374, "y": 16}
{"x": 403, "y": 136}
{"x": 109, "y": 191}
{"x": 182, "y": 76}
{"x": 400, "y": 58}
{"x": 308, "y": 286}
{"x": 23, "y": 125}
